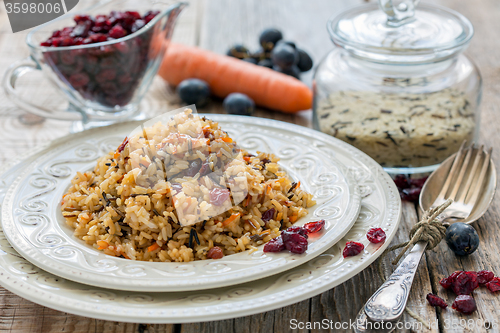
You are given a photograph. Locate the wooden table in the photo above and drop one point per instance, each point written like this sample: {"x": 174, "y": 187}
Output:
{"x": 215, "y": 25}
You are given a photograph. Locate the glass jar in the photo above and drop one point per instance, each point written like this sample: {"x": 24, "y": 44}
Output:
{"x": 397, "y": 85}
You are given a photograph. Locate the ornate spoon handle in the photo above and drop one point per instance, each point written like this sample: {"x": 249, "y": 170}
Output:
{"x": 389, "y": 301}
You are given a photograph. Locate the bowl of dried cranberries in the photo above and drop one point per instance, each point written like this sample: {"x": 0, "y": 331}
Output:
{"x": 104, "y": 58}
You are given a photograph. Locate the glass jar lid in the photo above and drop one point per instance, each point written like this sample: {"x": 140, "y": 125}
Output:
{"x": 402, "y": 33}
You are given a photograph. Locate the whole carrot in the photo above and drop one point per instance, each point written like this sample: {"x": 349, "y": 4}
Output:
{"x": 226, "y": 75}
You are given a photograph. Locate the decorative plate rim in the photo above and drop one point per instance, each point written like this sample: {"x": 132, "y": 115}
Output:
{"x": 72, "y": 298}
{"x": 219, "y": 273}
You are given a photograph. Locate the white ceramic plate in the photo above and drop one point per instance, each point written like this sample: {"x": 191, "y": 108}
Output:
{"x": 380, "y": 207}
{"x": 33, "y": 223}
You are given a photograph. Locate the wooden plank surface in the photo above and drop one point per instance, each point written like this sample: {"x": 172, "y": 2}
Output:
{"x": 215, "y": 25}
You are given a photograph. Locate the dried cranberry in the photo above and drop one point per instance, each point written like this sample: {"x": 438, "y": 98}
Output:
{"x": 67, "y": 41}
{"x": 464, "y": 304}
{"x": 419, "y": 182}
{"x": 81, "y": 29}
{"x": 375, "y": 235}
{"x": 484, "y": 276}
{"x": 98, "y": 38}
{"x": 313, "y": 227}
{"x": 56, "y": 33}
{"x": 465, "y": 283}
{"x": 275, "y": 245}
{"x": 493, "y": 285}
{"x": 66, "y": 32}
{"x": 105, "y": 75}
{"x": 48, "y": 42}
{"x": 117, "y": 32}
{"x": 176, "y": 187}
{"x": 82, "y": 18}
{"x": 139, "y": 24}
{"x": 67, "y": 58}
{"x": 435, "y": 300}
{"x": 286, "y": 234}
{"x": 205, "y": 169}
{"x": 79, "y": 80}
{"x": 448, "y": 281}
{"x": 215, "y": 253}
{"x": 150, "y": 15}
{"x": 218, "y": 196}
{"x": 268, "y": 215}
{"x": 134, "y": 15}
{"x": 410, "y": 194}
{"x": 194, "y": 167}
{"x": 352, "y": 249}
{"x": 401, "y": 182}
{"x": 122, "y": 47}
{"x": 295, "y": 243}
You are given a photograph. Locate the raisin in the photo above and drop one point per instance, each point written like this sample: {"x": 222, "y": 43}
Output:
{"x": 274, "y": 245}
{"x": 313, "y": 227}
{"x": 296, "y": 243}
{"x": 484, "y": 276}
{"x": 465, "y": 283}
{"x": 375, "y": 235}
{"x": 215, "y": 253}
{"x": 218, "y": 196}
{"x": 435, "y": 300}
{"x": 464, "y": 304}
{"x": 448, "y": 281}
{"x": 352, "y": 249}
{"x": 493, "y": 285}
{"x": 293, "y": 230}
{"x": 268, "y": 215}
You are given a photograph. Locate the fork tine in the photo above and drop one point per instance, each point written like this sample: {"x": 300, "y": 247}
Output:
{"x": 451, "y": 174}
{"x": 472, "y": 197}
{"x": 461, "y": 174}
{"x": 471, "y": 175}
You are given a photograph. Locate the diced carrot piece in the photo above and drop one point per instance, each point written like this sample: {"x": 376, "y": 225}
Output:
{"x": 229, "y": 140}
{"x": 292, "y": 218}
{"x": 102, "y": 244}
{"x": 153, "y": 247}
{"x": 230, "y": 219}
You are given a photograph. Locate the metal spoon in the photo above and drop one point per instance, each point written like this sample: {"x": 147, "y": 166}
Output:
{"x": 473, "y": 189}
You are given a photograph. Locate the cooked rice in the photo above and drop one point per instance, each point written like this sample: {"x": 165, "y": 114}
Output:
{"x": 127, "y": 207}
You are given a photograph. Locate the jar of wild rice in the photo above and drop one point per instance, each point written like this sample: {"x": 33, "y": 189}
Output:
{"x": 397, "y": 85}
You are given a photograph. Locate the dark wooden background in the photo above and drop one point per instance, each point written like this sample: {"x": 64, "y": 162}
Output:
{"x": 215, "y": 25}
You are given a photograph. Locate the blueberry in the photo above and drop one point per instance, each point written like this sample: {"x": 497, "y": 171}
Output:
{"x": 240, "y": 104}
{"x": 193, "y": 91}
{"x": 305, "y": 61}
{"x": 284, "y": 56}
{"x": 462, "y": 238}
{"x": 269, "y": 37}
{"x": 266, "y": 63}
{"x": 238, "y": 51}
{"x": 250, "y": 60}
{"x": 292, "y": 71}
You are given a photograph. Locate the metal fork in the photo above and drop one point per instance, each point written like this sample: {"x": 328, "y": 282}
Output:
{"x": 462, "y": 207}
{"x": 389, "y": 301}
